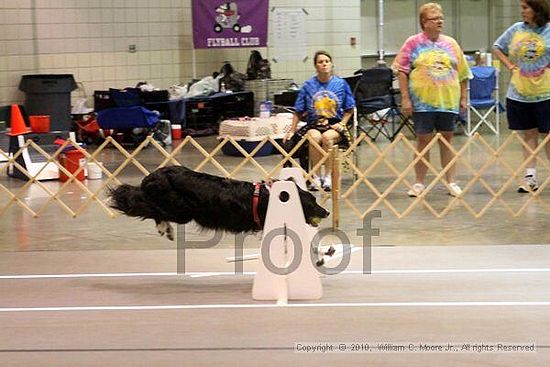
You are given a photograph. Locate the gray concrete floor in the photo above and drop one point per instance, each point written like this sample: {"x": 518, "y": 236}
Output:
{"x": 92, "y": 290}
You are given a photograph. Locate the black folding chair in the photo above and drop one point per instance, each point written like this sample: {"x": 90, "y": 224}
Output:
{"x": 377, "y": 110}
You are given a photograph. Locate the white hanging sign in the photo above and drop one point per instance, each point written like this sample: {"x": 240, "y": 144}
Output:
{"x": 288, "y": 37}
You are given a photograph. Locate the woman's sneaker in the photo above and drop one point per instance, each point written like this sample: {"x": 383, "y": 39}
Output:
{"x": 315, "y": 184}
{"x": 327, "y": 183}
{"x": 454, "y": 189}
{"x": 529, "y": 184}
{"x": 416, "y": 190}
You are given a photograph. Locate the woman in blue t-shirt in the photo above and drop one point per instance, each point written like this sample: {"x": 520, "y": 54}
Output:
{"x": 326, "y": 102}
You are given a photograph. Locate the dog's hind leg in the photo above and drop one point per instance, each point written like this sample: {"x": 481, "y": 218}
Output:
{"x": 165, "y": 228}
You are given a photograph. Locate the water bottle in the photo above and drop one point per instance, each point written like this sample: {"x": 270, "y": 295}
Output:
{"x": 265, "y": 109}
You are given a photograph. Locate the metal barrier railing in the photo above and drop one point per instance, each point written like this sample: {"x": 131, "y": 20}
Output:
{"x": 375, "y": 170}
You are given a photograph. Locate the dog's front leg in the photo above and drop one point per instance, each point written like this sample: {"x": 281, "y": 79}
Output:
{"x": 165, "y": 228}
{"x": 324, "y": 255}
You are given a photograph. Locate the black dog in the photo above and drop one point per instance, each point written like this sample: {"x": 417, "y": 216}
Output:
{"x": 180, "y": 195}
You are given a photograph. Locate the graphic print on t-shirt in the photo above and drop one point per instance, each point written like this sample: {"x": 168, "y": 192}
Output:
{"x": 434, "y": 74}
{"x": 325, "y": 104}
{"x": 530, "y": 80}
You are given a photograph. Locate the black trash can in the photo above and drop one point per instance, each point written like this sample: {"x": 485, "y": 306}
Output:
{"x": 49, "y": 94}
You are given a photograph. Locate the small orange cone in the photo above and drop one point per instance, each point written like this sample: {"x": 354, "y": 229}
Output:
{"x": 17, "y": 123}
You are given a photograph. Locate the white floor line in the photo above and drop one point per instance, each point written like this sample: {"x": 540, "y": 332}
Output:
{"x": 480, "y": 270}
{"x": 85, "y": 275}
{"x": 270, "y": 306}
{"x": 248, "y": 273}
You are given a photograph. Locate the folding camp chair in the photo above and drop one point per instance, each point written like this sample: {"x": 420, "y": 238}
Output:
{"x": 483, "y": 100}
{"x": 377, "y": 109}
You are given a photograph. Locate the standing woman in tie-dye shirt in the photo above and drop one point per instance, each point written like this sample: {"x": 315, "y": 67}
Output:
{"x": 433, "y": 76}
{"x": 524, "y": 49}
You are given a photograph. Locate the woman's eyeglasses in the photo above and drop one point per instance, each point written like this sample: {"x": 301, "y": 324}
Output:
{"x": 436, "y": 19}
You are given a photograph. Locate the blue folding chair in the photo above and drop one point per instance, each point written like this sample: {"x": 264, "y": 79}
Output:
{"x": 483, "y": 100}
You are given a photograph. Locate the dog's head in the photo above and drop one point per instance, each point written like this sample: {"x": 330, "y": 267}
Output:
{"x": 313, "y": 212}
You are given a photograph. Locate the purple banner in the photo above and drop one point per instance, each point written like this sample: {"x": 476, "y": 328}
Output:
{"x": 221, "y": 24}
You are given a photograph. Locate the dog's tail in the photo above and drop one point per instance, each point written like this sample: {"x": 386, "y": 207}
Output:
{"x": 131, "y": 201}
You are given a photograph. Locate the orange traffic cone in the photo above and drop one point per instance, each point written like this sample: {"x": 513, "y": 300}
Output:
{"x": 17, "y": 123}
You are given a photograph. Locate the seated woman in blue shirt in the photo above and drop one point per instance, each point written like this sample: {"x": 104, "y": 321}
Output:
{"x": 326, "y": 102}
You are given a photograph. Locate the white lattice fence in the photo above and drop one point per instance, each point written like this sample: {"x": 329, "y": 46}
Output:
{"x": 487, "y": 173}
{"x": 374, "y": 176}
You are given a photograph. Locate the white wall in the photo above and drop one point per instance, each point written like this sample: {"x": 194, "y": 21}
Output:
{"x": 465, "y": 20}
{"x": 90, "y": 39}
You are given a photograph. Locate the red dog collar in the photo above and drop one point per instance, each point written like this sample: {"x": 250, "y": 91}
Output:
{"x": 255, "y": 201}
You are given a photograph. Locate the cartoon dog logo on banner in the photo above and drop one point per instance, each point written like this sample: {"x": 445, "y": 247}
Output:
{"x": 227, "y": 16}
